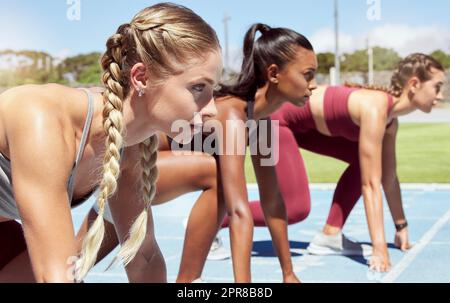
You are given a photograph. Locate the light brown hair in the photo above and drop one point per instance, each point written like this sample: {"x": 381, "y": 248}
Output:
{"x": 415, "y": 65}
{"x": 165, "y": 37}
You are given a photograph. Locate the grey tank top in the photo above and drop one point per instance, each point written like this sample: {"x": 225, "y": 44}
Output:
{"x": 8, "y": 207}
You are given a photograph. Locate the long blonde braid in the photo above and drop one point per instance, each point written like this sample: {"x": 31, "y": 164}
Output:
{"x": 149, "y": 153}
{"x": 165, "y": 37}
{"x": 113, "y": 127}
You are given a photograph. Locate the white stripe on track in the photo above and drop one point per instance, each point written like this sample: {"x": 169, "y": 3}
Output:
{"x": 417, "y": 248}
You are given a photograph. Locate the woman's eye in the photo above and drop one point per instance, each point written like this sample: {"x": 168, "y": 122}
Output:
{"x": 198, "y": 88}
{"x": 309, "y": 76}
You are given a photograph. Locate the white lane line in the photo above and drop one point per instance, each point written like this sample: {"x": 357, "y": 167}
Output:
{"x": 404, "y": 186}
{"x": 417, "y": 248}
{"x": 107, "y": 275}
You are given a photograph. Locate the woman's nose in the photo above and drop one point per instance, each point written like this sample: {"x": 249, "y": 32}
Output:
{"x": 313, "y": 85}
{"x": 210, "y": 110}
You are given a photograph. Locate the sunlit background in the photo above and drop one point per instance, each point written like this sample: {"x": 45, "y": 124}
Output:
{"x": 61, "y": 40}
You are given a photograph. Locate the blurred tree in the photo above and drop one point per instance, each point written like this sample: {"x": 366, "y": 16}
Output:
{"x": 91, "y": 74}
{"x": 442, "y": 57}
{"x": 326, "y": 61}
{"x": 385, "y": 59}
{"x": 38, "y": 67}
{"x": 27, "y": 66}
{"x": 85, "y": 68}
{"x": 358, "y": 61}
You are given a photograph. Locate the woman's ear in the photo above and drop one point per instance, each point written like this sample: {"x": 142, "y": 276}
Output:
{"x": 272, "y": 73}
{"x": 414, "y": 84}
{"x": 139, "y": 77}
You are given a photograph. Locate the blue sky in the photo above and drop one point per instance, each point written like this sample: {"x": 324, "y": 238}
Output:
{"x": 405, "y": 25}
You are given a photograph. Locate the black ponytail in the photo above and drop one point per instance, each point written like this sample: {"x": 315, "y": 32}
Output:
{"x": 274, "y": 46}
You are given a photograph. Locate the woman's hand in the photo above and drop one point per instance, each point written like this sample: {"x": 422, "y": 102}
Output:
{"x": 379, "y": 261}
{"x": 401, "y": 240}
{"x": 291, "y": 278}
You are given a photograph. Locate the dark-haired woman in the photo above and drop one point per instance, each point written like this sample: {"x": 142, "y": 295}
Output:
{"x": 357, "y": 125}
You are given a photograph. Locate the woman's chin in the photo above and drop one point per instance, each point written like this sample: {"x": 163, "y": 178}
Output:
{"x": 426, "y": 109}
{"x": 300, "y": 102}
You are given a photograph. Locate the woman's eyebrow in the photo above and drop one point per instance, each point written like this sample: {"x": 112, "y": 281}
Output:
{"x": 206, "y": 79}
{"x": 210, "y": 81}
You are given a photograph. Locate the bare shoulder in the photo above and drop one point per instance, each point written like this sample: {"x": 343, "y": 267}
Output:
{"x": 27, "y": 114}
{"x": 29, "y": 107}
{"x": 33, "y": 99}
{"x": 372, "y": 100}
{"x": 231, "y": 108}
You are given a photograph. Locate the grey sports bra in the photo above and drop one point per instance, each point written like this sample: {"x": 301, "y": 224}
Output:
{"x": 86, "y": 128}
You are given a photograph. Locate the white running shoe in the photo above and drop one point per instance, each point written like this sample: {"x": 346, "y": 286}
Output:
{"x": 323, "y": 245}
{"x": 218, "y": 252}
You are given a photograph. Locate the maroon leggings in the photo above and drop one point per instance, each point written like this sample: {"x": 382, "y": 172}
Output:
{"x": 293, "y": 180}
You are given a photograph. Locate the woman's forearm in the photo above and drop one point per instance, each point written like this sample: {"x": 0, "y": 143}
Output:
{"x": 241, "y": 236}
{"x": 394, "y": 199}
{"x": 373, "y": 203}
{"x": 276, "y": 219}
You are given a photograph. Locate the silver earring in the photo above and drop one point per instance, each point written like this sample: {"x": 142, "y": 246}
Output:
{"x": 140, "y": 92}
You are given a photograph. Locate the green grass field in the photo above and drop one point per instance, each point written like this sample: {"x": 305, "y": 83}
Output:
{"x": 423, "y": 156}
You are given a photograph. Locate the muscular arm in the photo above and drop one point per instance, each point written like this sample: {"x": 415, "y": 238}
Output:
{"x": 274, "y": 209}
{"x": 391, "y": 186}
{"x": 40, "y": 166}
{"x": 234, "y": 187}
{"x": 390, "y": 181}
{"x": 373, "y": 121}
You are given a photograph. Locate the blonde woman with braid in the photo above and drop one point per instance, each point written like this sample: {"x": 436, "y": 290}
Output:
{"x": 56, "y": 148}
{"x": 357, "y": 125}
{"x": 278, "y": 67}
